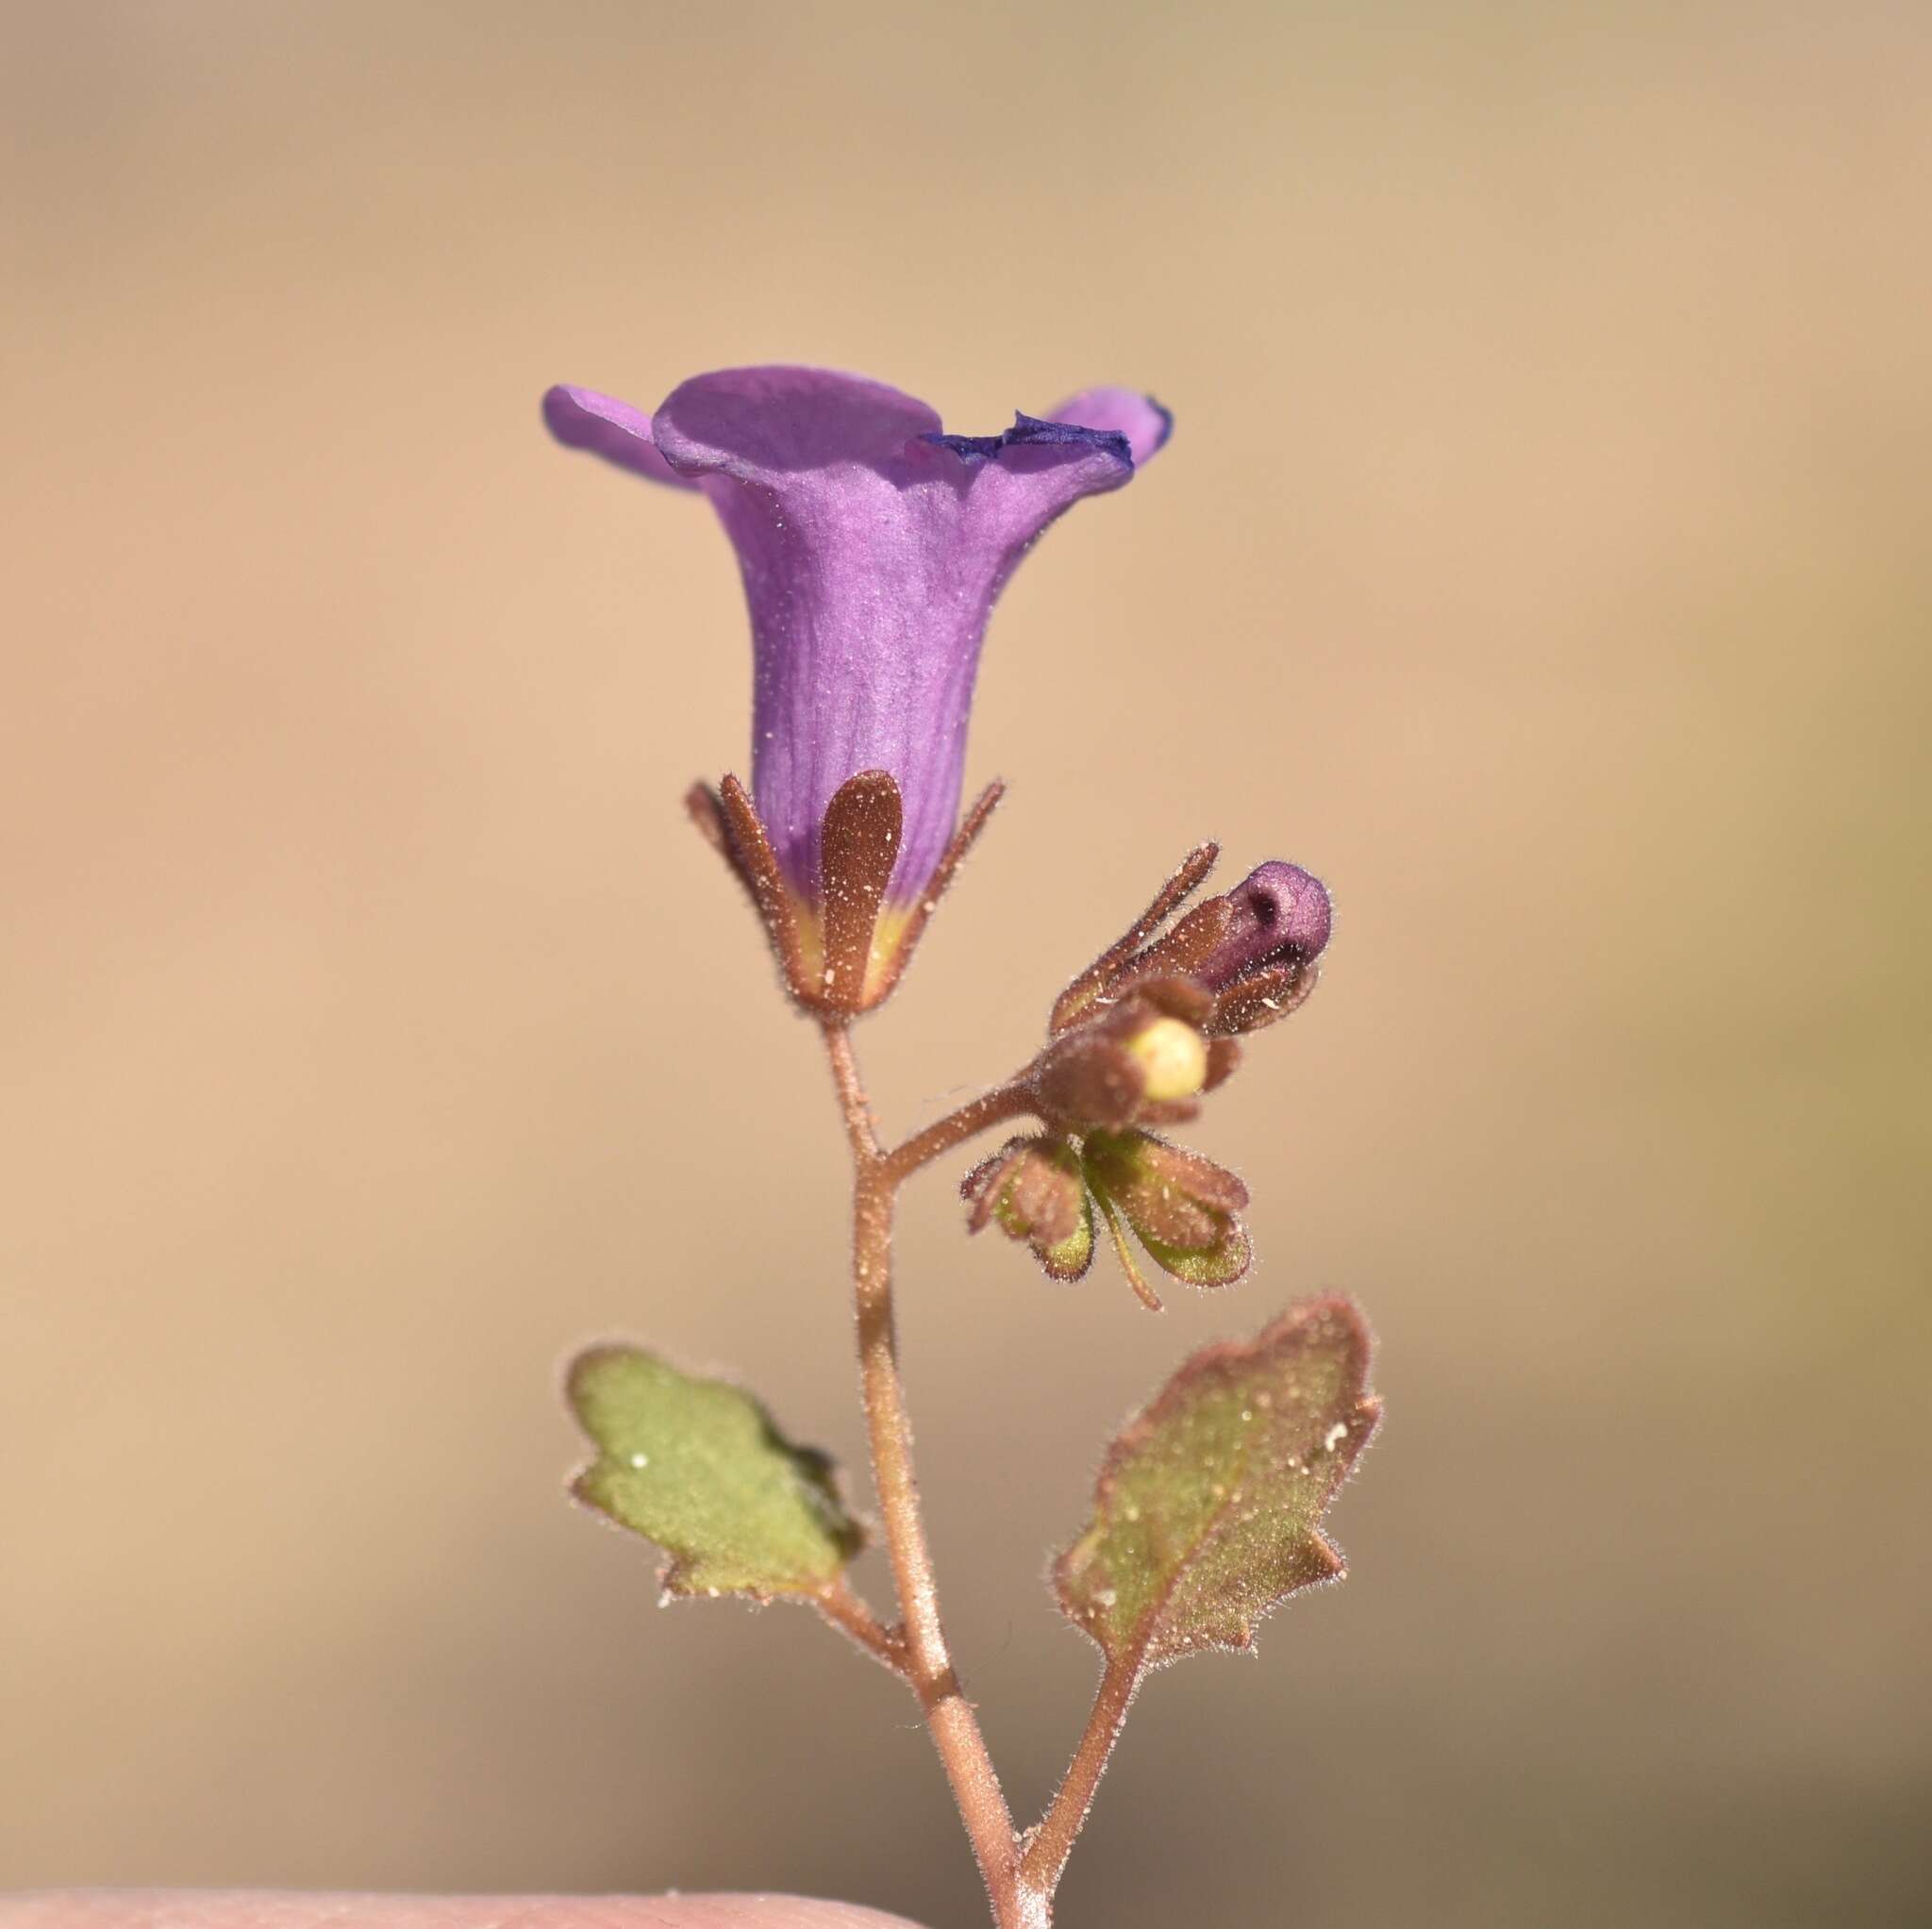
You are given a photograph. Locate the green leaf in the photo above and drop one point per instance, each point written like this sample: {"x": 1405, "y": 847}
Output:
{"x": 1208, "y": 1505}
{"x": 698, "y": 1467}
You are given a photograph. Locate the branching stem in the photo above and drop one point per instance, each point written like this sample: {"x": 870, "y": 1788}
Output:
{"x": 995, "y": 1107}
{"x": 1020, "y": 1876}
{"x": 851, "y": 1615}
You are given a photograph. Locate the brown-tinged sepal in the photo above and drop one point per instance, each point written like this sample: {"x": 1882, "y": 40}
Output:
{"x": 1079, "y": 997}
{"x": 1181, "y": 1208}
{"x": 1157, "y": 1199}
{"x": 842, "y": 945}
{"x": 1164, "y": 1190}
{"x": 1032, "y": 1190}
{"x": 729, "y": 823}
{"x": 859, "y": 845}
{"x": 1262, "y": 998}
{"x": 890, "y": 968}
{"x": 1185, "y": 949}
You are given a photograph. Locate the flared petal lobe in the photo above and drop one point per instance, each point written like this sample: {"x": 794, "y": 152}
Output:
{"x": 603, "y": 426}
{"x": 1144, "y": 423}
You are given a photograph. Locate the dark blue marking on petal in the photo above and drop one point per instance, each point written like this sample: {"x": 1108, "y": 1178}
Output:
{"x": 1029, "y": 432}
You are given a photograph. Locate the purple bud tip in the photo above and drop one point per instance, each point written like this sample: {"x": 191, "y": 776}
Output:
{"x": 1280, "y": 912}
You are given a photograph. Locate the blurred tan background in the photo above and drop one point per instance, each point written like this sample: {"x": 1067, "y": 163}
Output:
{"x": 1541, "y": 557}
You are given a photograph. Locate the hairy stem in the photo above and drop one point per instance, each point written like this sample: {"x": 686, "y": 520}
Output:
{"x": 1052, "y": 1842}
{"x": 928, "y": 1665}
{"x": 995, "y": 1107}
{"x": 846, "y": 1611}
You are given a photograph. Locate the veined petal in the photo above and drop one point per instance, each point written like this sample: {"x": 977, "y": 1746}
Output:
{"x": 872, "y": 546}
{"x": 583, "y": 419}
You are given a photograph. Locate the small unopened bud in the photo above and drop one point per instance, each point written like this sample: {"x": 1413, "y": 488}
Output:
{"x": 1144, "y": 1060}
{"x": 1087, "y": 1079}
{"x": 1173, "y": 1057}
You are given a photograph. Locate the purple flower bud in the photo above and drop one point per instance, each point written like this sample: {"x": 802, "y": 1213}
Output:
{"x": 1278, "y": 914}
{"x": 872, "y": 546}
